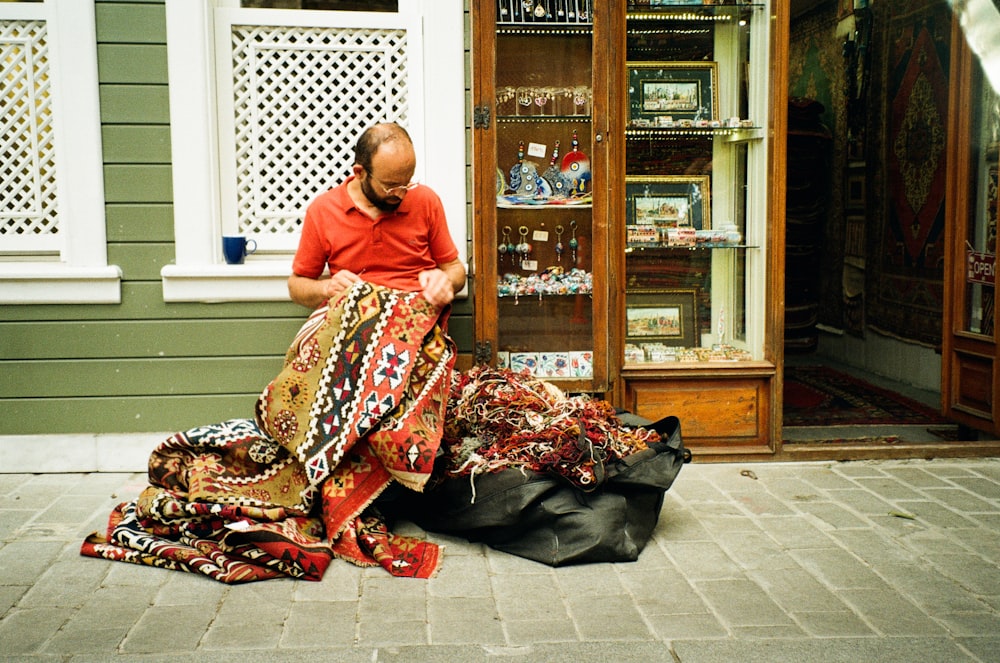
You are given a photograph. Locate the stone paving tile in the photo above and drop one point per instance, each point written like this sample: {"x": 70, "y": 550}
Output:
{"x": 742, "y": 603}
{"x": 890, "y": 613}
{"x": 610, "y": 618}
{"x": 339, "y": 620}
{"x": 796, "y": 591}
{"x": 840, "y": 624}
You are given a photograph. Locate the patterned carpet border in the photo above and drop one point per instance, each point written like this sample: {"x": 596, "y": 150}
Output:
{"x": 822, "y": 396}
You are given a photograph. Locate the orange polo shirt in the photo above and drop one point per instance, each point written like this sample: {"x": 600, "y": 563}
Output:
{"x": 391, "y": 250}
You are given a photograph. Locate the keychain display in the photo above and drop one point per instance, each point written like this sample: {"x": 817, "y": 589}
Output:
{"x": 564, "y": 182}
{"x": 574, "y": 243}
{"x": 523, "y": 247}
{"x": 557, "y": 181}
{"x": 505, "y": 247}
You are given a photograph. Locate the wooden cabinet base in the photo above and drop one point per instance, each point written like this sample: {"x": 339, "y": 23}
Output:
{"x": 715, "y": 411}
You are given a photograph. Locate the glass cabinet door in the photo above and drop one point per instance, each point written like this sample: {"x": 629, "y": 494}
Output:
{"x": 695, "y": 189}
{"x": 542, "y": 240}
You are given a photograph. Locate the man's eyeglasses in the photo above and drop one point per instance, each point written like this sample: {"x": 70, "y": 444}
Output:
{"x": 398, "y": 190}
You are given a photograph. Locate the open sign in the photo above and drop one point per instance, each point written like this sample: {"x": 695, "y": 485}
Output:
{"x": 980, "y": 267}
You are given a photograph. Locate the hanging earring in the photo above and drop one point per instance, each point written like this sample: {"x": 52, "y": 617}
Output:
{"x": 574, "y": 244}
{"x": 504, "y": 243}
{"x": 559, "y": 245}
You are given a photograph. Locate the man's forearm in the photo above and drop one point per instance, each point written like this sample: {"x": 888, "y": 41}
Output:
{"x": 456, "y": 274}
{"x": 306, "y": 291}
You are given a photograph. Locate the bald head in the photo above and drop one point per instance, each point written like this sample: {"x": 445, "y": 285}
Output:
{"x": 389, "y": 134}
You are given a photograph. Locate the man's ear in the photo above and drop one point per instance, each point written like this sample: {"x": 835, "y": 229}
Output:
{"x": 358, "y": 169}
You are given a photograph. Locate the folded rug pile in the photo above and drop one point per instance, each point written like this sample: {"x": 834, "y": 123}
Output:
{"x": 359, "y": 403}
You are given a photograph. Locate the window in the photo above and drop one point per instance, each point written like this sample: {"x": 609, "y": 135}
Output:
{"x": 52, "y": 225}
{"x": 267, "y": 114}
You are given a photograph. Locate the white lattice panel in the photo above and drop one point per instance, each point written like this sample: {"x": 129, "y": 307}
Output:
{"x": 302, "y": 96}
{"x": 28, "y": 219}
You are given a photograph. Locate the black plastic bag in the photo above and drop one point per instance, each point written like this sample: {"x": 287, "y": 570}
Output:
{"x": 546, "y": 519}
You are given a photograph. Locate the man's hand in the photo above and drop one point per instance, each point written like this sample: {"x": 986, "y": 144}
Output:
{"x": 314, "y": 292}
{"x": 437, "y": 287}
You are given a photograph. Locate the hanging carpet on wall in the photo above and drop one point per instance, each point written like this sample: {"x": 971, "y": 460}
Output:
{"x": 906, "y": 261}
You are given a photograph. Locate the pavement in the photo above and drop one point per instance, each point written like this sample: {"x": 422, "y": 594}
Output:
{"x": 826, "y": 561}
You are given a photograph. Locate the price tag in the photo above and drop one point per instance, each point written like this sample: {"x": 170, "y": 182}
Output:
{"x": 540, "y": 236}
{"x": 536, "y": 150}
{"x": 529, "y": 265}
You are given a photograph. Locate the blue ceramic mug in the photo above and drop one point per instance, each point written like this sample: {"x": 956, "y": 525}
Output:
{"x": 236, "y": 248}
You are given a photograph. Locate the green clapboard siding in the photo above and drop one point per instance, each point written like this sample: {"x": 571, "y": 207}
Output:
{"x": 141, "y": 262}
{"x": 136, "y": 144}
{"x": 137, "y": 377}
{"x": 135, "y": 104}
{"x": 137, "y": 222}
{"x": 132, "y": 63}
{"x": 147, "y": 339}
{"x": 138, "y": 183}
{"x": 130, "y": 414}
{"x": 131, "y": 24}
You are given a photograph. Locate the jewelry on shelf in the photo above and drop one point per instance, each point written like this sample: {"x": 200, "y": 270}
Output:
{"x": 515, "y": 171}
{"x": 559, "y": 245}
{"x": 574, "y": 244}
{"x": 523, "y": 248}
{"x": 504, "y": 245}
{"x": 576, "y": 167}
{"x": 553, "y": 175}
{"x": 551, "y": 281}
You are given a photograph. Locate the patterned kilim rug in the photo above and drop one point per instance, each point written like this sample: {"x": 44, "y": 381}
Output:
{"x": 359, "y": 403}
{"x": 822, "y": 396}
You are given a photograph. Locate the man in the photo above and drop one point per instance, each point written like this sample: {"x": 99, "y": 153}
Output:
{"x": 378, "y": 226}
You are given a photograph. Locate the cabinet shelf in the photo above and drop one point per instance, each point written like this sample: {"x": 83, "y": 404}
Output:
{"x": 655, "y": 249}
{"x": 692, "y": 13}
{"x": 730, "y": 134}
{"x": 542, "y": 118}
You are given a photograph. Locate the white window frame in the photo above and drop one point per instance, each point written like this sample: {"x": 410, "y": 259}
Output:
{"x": 199, "y": 272}
{"x": 79, "y": 273}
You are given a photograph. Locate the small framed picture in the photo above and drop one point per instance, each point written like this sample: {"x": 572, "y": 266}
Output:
{"x": 680, "y": 91}
{"x": 661, "y": 316}
{"x": 654, "y": 204}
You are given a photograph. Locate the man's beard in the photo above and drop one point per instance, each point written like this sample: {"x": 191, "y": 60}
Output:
{"x": 376, "y": 200}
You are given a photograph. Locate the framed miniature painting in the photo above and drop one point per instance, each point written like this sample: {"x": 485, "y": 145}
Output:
{"x": 682, "y": 91}
{"x": 655, "y": 203}
{"x": 666, "y": 317}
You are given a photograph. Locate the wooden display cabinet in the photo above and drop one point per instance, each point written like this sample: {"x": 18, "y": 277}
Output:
{"x": 679, "y": 228}
{"x": 541, "y": 183}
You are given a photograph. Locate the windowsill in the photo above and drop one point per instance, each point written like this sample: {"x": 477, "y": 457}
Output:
{"x": 257, "y": 281}
{"x": 58, "y": 283}
{"x": 262, "y": 281}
